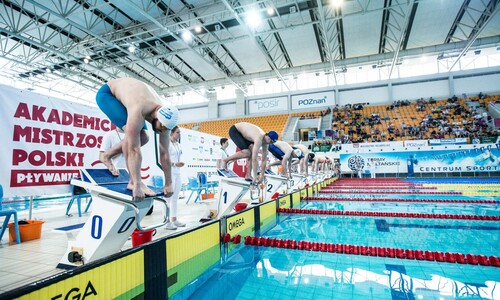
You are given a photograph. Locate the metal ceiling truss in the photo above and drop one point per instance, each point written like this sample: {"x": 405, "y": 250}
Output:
{"x": 397, "y": 21}
{"x": 330, "y": 34}
{"x": 177, "y": 39}
{"x": 38, "y": 36}
{"x": 471, "y": 22}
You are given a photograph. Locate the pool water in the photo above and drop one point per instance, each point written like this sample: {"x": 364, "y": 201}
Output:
{"x": 274, "y": 273}
{"x": 258, "y": 272}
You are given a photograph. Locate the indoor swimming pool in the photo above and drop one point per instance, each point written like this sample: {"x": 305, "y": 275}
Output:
{"x": 364, "y": 257}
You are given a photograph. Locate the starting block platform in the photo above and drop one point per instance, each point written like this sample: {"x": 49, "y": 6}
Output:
{"x": 114, "y": 217}
{"x": 274, "y": 185}
{"x": 103, "y": 178}
{"x": 232, "y": 188}
{"x": 298, "y": 181}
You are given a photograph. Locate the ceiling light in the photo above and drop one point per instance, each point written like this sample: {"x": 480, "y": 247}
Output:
{"x": 270, "y": 11}
{"x": 87, "y": 56}
{"x": 253, "y": 19}
{"x": 131, "y": 48}
{"x": 197, "y": 29}
{"x": 337, "y": 3}
{"x": 48, "y": 70}
{"x": 186, "y": 36}
{"x": 86, "y": 60}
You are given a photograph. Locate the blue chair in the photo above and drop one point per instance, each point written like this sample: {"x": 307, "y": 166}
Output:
{"x": 210, "y": 186}
{"x": 195, "y": 187}
{"x": 77, "y": 193}
{"x": 7, "y": 213}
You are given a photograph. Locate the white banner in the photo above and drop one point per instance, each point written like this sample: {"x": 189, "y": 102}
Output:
{"x": 268, "y": 105}
{"x": 46, "y": 141}
{"x": 455, "y": 141}
{"x": 314, "y": 100}
{"x": 416, "y": 144}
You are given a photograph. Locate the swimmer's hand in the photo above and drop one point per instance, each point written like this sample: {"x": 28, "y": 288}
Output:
{"x": 168, "y": 190}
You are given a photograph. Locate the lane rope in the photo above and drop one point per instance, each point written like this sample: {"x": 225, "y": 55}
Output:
{"x": 402, "y": 200}
{"x": 437, "y": 256}
{"x": 385, "y": 214}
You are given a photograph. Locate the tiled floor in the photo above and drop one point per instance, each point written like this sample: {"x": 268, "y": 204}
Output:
{"x": 21, "y": 264}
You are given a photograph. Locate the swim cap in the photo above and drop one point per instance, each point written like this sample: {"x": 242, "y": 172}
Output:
{"x": 311, "y": 157}
{"x": 273, "y": 135}
{"x": 168, "y": 116}
{"x": 298, "y": 153}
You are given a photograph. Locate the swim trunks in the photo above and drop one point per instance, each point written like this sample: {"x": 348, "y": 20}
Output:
{"x": 238, "y": 139}
{"x": 276, "y": 152}
{"x": 112, "y": 107}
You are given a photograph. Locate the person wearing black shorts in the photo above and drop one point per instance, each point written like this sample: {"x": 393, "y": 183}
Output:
{"x": 249, "y": 138}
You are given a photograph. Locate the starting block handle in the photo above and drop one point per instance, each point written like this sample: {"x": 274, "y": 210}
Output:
{"x": 136, "y": 211}
{"x": 252, "y": 188}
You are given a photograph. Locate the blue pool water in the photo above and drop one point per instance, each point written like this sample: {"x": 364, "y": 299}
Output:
{"x": 23, "y": 204}
{"x": 275, "y": 273}
{"x": 407, "y": 207}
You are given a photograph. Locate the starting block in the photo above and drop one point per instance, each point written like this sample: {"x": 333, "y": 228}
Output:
{"x": 298, "y": 181}
{"x": 232, "y": 188}
{"x": 274, "y": 184}
{"x": 114, "y": 217}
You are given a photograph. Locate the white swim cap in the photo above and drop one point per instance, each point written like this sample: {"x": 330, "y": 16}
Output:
{"x": 168, "y": 116}
{"x": 297, "y": 152}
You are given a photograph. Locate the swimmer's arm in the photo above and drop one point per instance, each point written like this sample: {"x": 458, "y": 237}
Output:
{"x": 132, "y": 145}
{"x": 255, "y": 155}
{"x": 165, "y": 157}
{"x": 286, "y": 164}
{"x": 264, "y": 160}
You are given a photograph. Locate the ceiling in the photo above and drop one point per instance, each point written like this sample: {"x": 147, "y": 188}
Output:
{"x": 47, "y": 42}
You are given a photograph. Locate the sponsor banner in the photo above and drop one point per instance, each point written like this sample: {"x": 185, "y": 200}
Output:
{"x": 315, "y": 100}
{"x": 482, "y": 159}
{"x": 416, "y": 144}
{"x": 456, "y": 141}
{"x": 489, "y": 140}
{"x": 268, "y": 105}
{"x": 382, "y": 145}
{"x": 46, "y": 141}
{"x": 321, "y": 148}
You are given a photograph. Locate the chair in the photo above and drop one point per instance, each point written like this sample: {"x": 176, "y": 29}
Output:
{"x": 77, "y": 193}
{"x": 7, "y": 213}
{"x": 210, "y": 186}
{"x": 195, "y": 187}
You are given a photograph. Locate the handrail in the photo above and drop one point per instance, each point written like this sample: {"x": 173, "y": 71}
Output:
{"x": 136, "y": 210}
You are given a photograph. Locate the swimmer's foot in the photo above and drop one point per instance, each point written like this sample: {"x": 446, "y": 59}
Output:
{"x": 109, "y": 164}
{"x": 147, "y": 191}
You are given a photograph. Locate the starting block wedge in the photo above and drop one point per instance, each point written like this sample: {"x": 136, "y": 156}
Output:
{"x": 298, "y": 181}
{"x": 114, "y": 217}
{"x": 232, "y": 188}
{"x": 275, "y": 184}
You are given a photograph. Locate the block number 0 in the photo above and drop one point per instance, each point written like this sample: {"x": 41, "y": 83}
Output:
{"x": 96, "y": 226}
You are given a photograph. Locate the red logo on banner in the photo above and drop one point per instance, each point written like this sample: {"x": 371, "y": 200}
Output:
{"x": 20, "y": 178}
